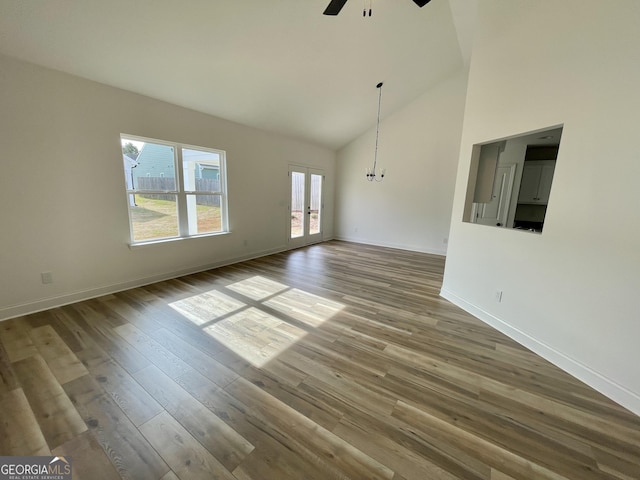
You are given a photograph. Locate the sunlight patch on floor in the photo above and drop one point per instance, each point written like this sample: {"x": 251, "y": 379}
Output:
{"x": 306, "y": 307}
{"x": 207, "y": 306}
{"x": 257, "y": 287}
{"x": 245, "y": 328}
{"x": 255, "y": 335}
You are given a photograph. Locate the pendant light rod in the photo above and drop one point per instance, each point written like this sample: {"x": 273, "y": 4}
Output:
{"x": 371, "y": 173}
{"x": 375, "y": 157}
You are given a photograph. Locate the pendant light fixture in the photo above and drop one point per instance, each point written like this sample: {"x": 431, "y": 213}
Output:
{"x": 372, "y": 175}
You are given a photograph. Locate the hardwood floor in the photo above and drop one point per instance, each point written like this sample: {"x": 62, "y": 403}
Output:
{"x": 337, "y": 361}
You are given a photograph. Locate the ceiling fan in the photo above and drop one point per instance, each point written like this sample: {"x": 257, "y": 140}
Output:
{"x": 335, "y": 6}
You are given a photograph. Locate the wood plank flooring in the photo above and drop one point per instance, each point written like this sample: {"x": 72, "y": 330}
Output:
{"x": 336, "y": 361}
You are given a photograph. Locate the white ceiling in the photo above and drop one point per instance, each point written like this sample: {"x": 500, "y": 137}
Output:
{"x": 278, "y": 65}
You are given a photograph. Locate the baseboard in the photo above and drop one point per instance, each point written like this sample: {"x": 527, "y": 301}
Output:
{"x": 616, "y": 392}
{"x": 39, "y": 305}
{"x": 399, "y": 246}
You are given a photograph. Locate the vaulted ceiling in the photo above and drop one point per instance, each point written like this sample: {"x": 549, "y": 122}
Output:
{"x": 277, "y": 65}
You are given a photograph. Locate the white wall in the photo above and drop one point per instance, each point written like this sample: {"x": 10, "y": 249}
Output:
{"x": 570, "y": 293}
{"x": 63, "y": 206}
{"x": 419, "y": 148}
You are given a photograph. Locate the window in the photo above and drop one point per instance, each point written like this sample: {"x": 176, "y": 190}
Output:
{"x": 173, "y": 190}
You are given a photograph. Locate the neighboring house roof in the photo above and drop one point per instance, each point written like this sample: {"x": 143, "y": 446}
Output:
{"x": 155, "y": 159}
{"x": 129, "y": 162}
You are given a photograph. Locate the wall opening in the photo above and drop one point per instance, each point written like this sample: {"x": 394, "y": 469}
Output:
{"x": 510, "y": 180}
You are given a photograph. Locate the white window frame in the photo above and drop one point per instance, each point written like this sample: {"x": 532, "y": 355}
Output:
{"x": 181, "y": 193}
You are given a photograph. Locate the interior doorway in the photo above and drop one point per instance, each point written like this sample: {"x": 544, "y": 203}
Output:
{"x": 496, "y": 211}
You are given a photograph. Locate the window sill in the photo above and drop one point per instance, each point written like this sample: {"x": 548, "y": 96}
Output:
{"x": 164, "y": 241}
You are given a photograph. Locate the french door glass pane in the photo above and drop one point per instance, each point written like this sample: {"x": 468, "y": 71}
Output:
{"x": 154, "y": 217}
{"x": 315, "y": 204}
{"x": 297, "y": 204}
{"x": 203, "y": 212}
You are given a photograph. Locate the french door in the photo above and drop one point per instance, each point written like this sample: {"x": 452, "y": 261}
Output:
{"x": 305, "y": 205}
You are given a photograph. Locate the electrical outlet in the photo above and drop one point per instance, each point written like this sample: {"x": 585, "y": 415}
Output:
{"x": 47, "y": 277}
{"x": 445, "y": 240}
{"x": 499, "y": 296}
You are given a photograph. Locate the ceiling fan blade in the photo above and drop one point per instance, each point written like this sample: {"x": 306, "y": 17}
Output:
{"x": 421, "y": 3}
{"x": 334, "y": 7}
